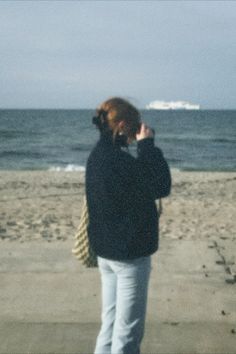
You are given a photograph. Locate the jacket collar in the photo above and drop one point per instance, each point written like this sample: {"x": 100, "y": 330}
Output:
{"x": 106, "y": 137}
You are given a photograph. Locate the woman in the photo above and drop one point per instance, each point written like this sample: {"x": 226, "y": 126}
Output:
{"x": 123, "y": 227}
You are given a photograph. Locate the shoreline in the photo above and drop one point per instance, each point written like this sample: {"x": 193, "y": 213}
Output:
{"x": 81, "y": 169}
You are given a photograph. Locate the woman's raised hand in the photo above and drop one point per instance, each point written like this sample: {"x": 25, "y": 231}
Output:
{"x": 145, "y": 132}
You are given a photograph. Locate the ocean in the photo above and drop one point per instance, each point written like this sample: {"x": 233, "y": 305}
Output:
{"x": 61, "y": 140}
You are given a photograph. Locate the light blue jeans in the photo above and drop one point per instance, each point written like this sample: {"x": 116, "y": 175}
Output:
{"x": 124, "y": 302}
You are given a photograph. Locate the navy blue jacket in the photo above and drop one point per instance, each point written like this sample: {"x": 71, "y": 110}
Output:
{"x": 121, "y": 191}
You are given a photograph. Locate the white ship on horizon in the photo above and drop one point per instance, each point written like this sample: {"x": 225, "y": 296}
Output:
{"x": 172, "y": 105}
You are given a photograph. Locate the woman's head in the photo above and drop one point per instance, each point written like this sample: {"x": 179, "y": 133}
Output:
{"x": 121, "y": 117}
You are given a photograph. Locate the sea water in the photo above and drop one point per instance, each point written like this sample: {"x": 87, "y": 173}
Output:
{"x": 61, "y": 140}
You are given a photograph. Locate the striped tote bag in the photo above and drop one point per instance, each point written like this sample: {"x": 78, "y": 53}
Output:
{"x": 82, "y": 248}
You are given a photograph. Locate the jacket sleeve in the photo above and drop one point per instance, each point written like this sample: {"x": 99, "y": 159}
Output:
{"x": 153, "y": 168}
{"x": 149, "y": 172}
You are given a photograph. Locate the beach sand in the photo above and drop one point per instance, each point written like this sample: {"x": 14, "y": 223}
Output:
{"x": 50, "y": 303}
{"x": 47, "y": 205}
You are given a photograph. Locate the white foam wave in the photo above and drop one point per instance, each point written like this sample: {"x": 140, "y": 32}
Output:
{"x": 68, "y": 168}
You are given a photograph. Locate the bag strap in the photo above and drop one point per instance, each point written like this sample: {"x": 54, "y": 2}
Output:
{"x": 160, "y": 209}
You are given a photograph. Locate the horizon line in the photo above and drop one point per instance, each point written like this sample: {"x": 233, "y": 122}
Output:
{"x": 94, "y": 108}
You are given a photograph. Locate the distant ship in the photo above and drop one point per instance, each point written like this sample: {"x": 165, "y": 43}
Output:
{"x": 172, "y": 105}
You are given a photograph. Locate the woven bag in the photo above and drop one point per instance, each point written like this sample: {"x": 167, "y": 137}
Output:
{"x": 82, "y": 248}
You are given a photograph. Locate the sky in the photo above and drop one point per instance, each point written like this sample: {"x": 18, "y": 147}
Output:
{"x": 76, "y": 54}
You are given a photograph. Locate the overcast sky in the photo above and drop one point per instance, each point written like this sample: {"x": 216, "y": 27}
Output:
{"x": 75, "y": 54}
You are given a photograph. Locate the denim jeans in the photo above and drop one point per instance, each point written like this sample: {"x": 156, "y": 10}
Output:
{"x": 124, "y": 302}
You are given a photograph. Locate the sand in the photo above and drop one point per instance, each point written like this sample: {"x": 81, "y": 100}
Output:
{"x": 47, "y": 205}
{"x": 49, "y": 303}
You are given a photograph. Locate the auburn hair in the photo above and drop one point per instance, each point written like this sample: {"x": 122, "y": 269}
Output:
{"x": 118, "y": 109}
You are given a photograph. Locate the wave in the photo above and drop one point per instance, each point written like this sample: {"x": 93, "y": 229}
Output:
{"x": 208, "y": 169}
{"x": 67, "y": 168}
{"x": 222, "y": 140}
{"x": 173, "y": 160}
{"x": 12, "y": 134}
{"x": 183, "y": 138}
{"x": 20, "y": 154}
{"x": 81, "y": 147}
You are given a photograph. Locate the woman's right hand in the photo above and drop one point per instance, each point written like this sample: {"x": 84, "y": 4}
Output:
{"x": 145, "y": 132}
